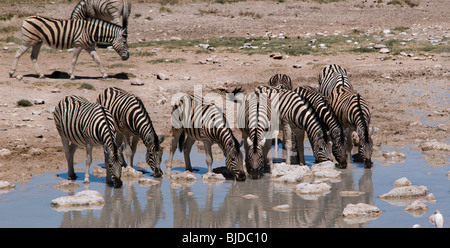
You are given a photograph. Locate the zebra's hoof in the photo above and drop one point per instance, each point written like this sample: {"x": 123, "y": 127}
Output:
{"x": 11, "y": 74}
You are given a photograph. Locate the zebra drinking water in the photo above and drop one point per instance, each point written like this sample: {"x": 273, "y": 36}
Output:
{"x": 80, "y": 122}
{"x": 194, "y": 120}
{"x": 65, "y": 34}
{"x": 132, "y": 120}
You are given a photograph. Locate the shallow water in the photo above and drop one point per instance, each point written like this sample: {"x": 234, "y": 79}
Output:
{"x": 220, "y": 204}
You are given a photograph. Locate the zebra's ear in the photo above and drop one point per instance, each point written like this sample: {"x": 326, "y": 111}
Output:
{"x": 249, "y": 141}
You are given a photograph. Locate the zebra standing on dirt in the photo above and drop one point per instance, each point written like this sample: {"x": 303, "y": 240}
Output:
{"x": 327, "y": 116}
{"x": 132, "y": 120}
{"x": 65, "y": 34}
{"x": 194, "y": 120}
{"x": 331, "y": 77}
{"x": 353, "y": 113}
{"x": 107, "y": 10}
{"x": 295, "y": 112}
{"x": 254, "y": 116}
{"x": 80, "y": 122}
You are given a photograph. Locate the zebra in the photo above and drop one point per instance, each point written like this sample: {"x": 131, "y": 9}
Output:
{"x": 254, "y": 116}
{"x": 297, "y": 113}
{"x": 80, "y": 122}
{"x": 332, "y": 76}
{"x": 107, "y": 10}
{"x": 132, "y": 120}
{"x": 192, "y": 120}
{"x": 281, "y": 79}
{"x": 64, "y": 34}
{"x": 327, "y": 116}
{"x": 353, "y": 113}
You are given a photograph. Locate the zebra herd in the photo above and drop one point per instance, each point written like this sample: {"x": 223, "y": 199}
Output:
{"x": 329, "y": 114}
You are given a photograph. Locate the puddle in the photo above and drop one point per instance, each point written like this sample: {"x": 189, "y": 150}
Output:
{"x": 221, "y": 204}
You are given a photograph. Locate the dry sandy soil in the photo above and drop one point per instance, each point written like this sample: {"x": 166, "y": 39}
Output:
{"x": 408, "y": 95}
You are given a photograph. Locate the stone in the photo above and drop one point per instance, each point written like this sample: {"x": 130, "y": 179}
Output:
{"x": 131, "y": 172}
{"x": 185, "y": 175}
{"x": 136, "y": 82}
{"x": 405, "y": 192}
{"x": 360, "y": 210}
{"x": 384, "y": 50}
{"x": 379, "y": 46}
{"x": 55, "y": 90}
{"x": 284, "y": 173}
{"x": 402, "y": 182}
{"x": 162, "y": 76}
{"x": 147, "y": 181}
{"x": 66, "y": 185}
{"x": 212, "y": 176}
{"x": 38, "y": 101}
{"x": 4, "y": 152}
{"x": 36, "y": 151}
{"x": 6, "y": 185}
{"x": 84, "y": 198}
{"x": 435, "y": 145}
{"x": 250, "y": 196}
{"x": 297, "y": 66}
{"x": 311, "y": 188}
{"x": 394, "y": 155}
{"x": 416, "y": 205}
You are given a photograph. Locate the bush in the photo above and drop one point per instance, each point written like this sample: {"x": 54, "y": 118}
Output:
{"x": 24, "y": 103}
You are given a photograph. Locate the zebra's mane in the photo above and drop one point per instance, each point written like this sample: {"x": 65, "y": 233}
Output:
{"x": 361, "y": 114}
{"x": 149, "y": 122}
{"x": 108, "y": 125}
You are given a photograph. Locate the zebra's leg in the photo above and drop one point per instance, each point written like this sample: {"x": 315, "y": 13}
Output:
{"x": 299, "y": 139}
{"x": 134, "y": 141}
{"x": 69, "y": 151}
{"x": 176, "y": 132}
{"x": 275, "y": 136}
{"x": 288, "y": 140}
{"x": 22, "y": 49}
{"x": 94, "y": 55}
{"x": 88, "y": 162}
{"x": 119, "y": 141}
{"x": 34, "y": 56}
{"x": 209, "y": 157}
{"x": 128, "y": 151}
{"x": 244, "y": 138}
{"x": 187, "y": 146}
{"x": 268, "y": 163}
{"x": 76, "y": 54}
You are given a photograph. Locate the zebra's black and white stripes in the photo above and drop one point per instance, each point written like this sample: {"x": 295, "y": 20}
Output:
{"x": 64, "y": 34}
{"x": 194, "y": 120}
{"x": 283, "y": 80}
{"x": 326, "y": 114}
{"x": 295, "y": 112}
{"x": 132, "y": 120}
{"x": 331, "y": 77}
{"x": 107, "y": 10}
{"x": 80, "y": 122}
{"x": 353, "y": 113}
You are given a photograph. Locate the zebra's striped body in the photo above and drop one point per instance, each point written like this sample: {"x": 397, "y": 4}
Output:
{"x": 80, "y": 122}
{"x": 254, "y": 116}
{"x": 331, "y": 77}
{"x": 283, "y": 80}
{"x": 64, "y": 34}
{"x": 132, "y": 120}
{"x": 107, "y": 10}
{"x": 327, "y": 116}
{"x": 353, "y": 113}
{"x": 193, "y": 120}
{"x": 296, "y": 113}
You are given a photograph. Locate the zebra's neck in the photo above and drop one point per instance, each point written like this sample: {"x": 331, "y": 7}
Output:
{"x": 79, "y": 12}
{"x": 102, "y": 31}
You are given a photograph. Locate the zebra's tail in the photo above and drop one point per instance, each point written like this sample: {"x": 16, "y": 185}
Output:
{"x": 126, "y": 10}
{"x": 181, "y": 141}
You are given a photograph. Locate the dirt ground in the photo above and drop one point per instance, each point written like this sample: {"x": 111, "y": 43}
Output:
{"x": 408, "y": 94}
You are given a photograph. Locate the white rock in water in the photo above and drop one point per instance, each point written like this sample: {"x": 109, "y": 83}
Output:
{"x": 360, "y": 210}
{"x": 147, "y": 181}
{"x": 394, "y": 155}
{"x": 434, "y": 145}
{"x": 405, "y": 192}
{"x": 284, "y": 173}
{"x": 66, "y": 184}
{"x": 402, "y": 182}
{"x": 131, "y": 172}
{"x": 416, "y": 205}
{"x": 83, "y": 198}
{"x": 6, "y": 185}
{"x": 325, "y": 169}
{"x": 212, "y": 176}
{"x": 310, "y": 188}
{"x": 185, "y": 175}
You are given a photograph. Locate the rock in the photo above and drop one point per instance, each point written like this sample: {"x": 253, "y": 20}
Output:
{"x": 276, "y": 55}
{"x": 36, "y": 151}
{"x": 431, "y": 198}
{"x": 402, "y": 182}
{"x": 55, "y": 90}
{"x": 81, "y": 199}
{"x": 310, "y": 188}
{"x": 250, "y": 196}
{"x": 434, "y": 145}
{"x": 284, "y": 173}
{"x": 147, "y": 181}
{"x": 379, "y": 46}
{"x": 297, "y": 66}
{"x": 360, "y": 210}
{"x": 136, "y": 82}
{"x": 416, "y": 205}
{"x": 162, "y": 76}
{"x": 384, "y": 50}
{"x": 325, "y": 169}
{"x": 4, "y": 152}
{"x": 284, "y": 207}
{"x": 212, "y": 176}
{"x": 66, "y": 185}
{"x": 405, "y": 192}
{"x": 394, "y": 155}
{"x": 5, "y": 185}
{"x": 185, "y": 175}
{"x": 131, "y": 172}
{"x": 38, "y": 101}
{"x": 99, "y": 171}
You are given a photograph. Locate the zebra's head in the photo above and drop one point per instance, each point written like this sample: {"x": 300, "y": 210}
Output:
{"x": 115, "y": 163}
{"x": 234, "y": 159}
{"x": 321, "y": 147}
{"x": 365, "y": 146}
{"x": 120, "y": 44}
{"x": 154, "y": 153}
{"x": 255, "y": 160}
{"x": 339, "y": 147}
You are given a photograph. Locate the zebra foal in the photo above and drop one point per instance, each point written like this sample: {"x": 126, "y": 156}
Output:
{"x": 353, "y": 113}
{"x": 107, "y": 10}
{"x": 132, "y": 120}
{"x": 331, "y": 77}
{"x": 80, "y": 122}
{"x": 328, "y": 117}
{"x": 65, "y": 34}
{"x": 295, "y": 112}
{"x": 194, "y": 120}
